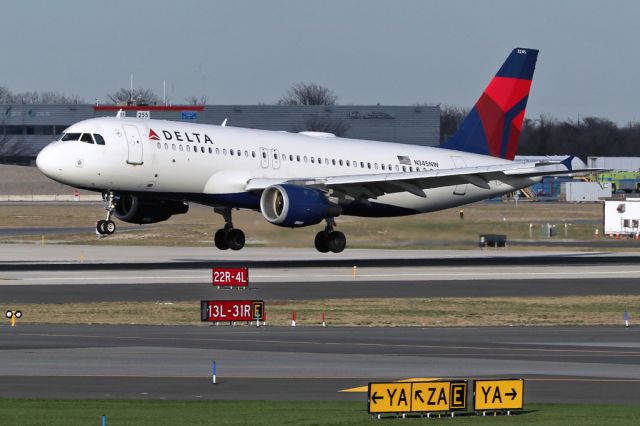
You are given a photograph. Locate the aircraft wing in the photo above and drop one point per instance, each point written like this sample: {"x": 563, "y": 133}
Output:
{"x": 375, "y": 185}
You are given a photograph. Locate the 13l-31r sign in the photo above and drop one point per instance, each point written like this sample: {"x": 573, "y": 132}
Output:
{"x": 231, "y": 277}
{"x": 232, "y": 310}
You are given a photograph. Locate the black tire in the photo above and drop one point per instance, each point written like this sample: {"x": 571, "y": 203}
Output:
{"x": 100, "y": 227}
{"x": 337, "y": 241}
{"x": 235, "y": 239}
{"x": 220, "y": 240}
{"x": 322, "y": 242}
{"x": 109, "y": 227}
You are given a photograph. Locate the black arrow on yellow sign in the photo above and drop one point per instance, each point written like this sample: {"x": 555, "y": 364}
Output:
{"x": 512, "y": 394}
{"x": 419, "y": 395}
{"x": 375, "y": 397}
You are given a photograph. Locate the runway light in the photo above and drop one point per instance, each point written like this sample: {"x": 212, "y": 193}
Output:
{"x": 18, "y": 314}
{"x": 9, "y": 314}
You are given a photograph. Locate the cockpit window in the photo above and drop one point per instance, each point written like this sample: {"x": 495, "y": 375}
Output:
{"x": 70, "y": 137}
{"x": 99, "y": 139}
{"x": 86, "y": 137}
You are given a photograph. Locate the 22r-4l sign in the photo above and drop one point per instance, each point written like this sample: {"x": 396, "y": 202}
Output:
{"x": 230, "y": 277}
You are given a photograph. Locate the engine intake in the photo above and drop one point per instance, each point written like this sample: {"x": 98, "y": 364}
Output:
{"x": 296, "y": 206}
{"x": 142, "y": 210}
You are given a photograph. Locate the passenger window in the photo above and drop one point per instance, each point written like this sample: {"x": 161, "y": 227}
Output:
{"x": 305, "y": 158}
{"x": 86, "y": 137}
{"x": 410, "y": 169}
{"x": 275, "y": 156}
{"x": 264, "y": 154}
{"x": 99, "y": 139}
{"x": 239, "y": 153}
{"x": 290, "y": 157}
{"x": 362, "y": 165}
{"x": 159, "y": 145}
{"x": 333, "y": 161}
{"x": 404, "y": 168}
{"x": 382, "y": 165}
{"x": 224, "y": 151}
{"x": 217, "y": 150}
{"x": 298, "y": 158}
{"x": 230, "y": 152}
{"x": 348, "y": 163}
{"x": 180, "y": 147}
{"x": 210, "y": 150}
{"x": 188, "y": 148}
{"x": 369, "y": 165}
{"x": 202, "y": 149}
{"x": 253, "y": 154}
{"x": 246, "y": 153}
{"x": 284, "y": 157}
{"x": 313, "y": 160}
{"x": 166, "y": 146}
{"x": 70, "y": 137}
{"x": 397, "y": 168}
{"x": 326, "y": 161}
{"x": 375, "y": 166}
{"x": 340, "y": 162}
{"x": 173, "y": 146}
{"x": 319, "y": 160}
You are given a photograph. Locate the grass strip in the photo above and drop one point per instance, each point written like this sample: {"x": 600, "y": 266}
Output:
{"x": 141, "y": 413}
{"x": 423, "y": 312}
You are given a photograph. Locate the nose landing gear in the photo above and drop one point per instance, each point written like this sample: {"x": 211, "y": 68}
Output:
{"x": 107, "y": 227}
{"x": 228, "y": 237}
{"x": 330, "y": 240}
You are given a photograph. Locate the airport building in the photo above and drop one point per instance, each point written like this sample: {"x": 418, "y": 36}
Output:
{"x": 26, "y": 129}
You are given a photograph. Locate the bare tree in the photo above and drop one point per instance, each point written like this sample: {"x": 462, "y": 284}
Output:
{"x": 194, "y": 100}
{"x": 324, "y": 123}
{"x": 36, "y": 98}
{"x": 308, "y": 94}
{"x": 134, "y": 97}
{"x": 450, "y": 120}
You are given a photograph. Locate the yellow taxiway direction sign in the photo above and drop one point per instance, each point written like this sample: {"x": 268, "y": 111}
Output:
{"x": 498, "y": 394}
{"x": 410, "y": 397}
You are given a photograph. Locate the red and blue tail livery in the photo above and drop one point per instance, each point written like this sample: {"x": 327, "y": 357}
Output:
{"x": 493, "y": 126}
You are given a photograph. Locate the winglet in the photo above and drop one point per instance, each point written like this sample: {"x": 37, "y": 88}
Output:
{"x": 224, "y": 123}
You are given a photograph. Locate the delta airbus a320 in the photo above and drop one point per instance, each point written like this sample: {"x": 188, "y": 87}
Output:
{"x": 149, "y": 170}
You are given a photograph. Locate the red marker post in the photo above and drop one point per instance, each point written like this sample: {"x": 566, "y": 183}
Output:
{"x": 230, "y": 277}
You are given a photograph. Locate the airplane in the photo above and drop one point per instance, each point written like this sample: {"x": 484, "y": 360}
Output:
{"x": 149, "y": 170}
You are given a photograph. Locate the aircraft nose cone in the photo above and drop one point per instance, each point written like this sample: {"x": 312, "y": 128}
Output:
{"x": 49, "y": 161}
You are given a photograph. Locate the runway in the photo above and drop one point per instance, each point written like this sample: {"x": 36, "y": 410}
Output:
{"x": 580, "y": 364}
{"x": 299, "y": 290}
{"x": 584, "y": 365}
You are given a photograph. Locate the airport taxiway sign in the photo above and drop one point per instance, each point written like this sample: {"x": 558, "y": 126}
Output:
{"x": 428, "y": 397}
{"x": 498, "y": 394}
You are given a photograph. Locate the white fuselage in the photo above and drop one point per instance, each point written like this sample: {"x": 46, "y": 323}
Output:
{"x": 212, "y": 164}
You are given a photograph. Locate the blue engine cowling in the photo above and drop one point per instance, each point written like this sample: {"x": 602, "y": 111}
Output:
{"x": 296, "y": 206}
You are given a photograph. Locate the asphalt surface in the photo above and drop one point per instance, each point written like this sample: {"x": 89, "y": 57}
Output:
{"x": 298, "y": 290}
{"x": 583, "y": 365}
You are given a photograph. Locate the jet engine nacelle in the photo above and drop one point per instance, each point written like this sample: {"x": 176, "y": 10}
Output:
{"x": 141, "y": 210}
{"x": 296, "y": 206}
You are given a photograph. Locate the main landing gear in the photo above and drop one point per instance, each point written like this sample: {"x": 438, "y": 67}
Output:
{"x": 107, "y": 227}
{"x": 228, "y": 237}
{"x": 330, "y": 240}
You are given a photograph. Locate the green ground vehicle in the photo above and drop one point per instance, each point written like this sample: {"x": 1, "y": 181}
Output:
{"x": 620, "y": 181}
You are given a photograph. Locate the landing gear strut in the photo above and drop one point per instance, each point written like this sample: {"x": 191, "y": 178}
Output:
{"x": 228, "y": 237}
{"x": 107, "y": 227}
{"x": 330, "y": 240}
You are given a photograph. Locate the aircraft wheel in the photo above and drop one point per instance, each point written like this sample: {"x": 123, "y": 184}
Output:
{"x": 100, "y": 227}
{"x": 220, "y": 240}
{"x": 109, "y": 227}
{"x": 322, "y": 242}
{"x": 337, "y": 241}
{"x": 235, "y": 239}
